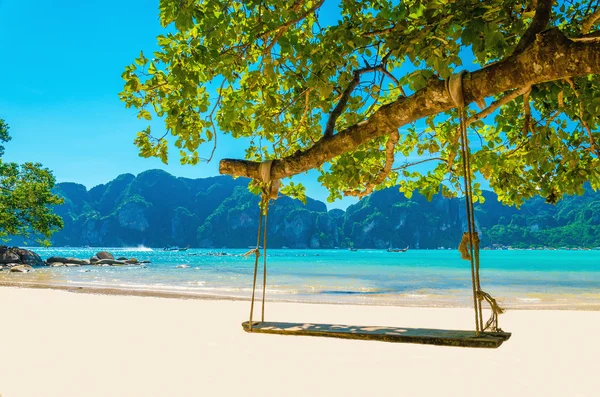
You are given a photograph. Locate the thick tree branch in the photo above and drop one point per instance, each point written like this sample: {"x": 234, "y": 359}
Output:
{"x": 552, "y": 56}
{"x": 594, "y": 36}
{"x": 587, "y": 24}
{"x": 540, "y": 21}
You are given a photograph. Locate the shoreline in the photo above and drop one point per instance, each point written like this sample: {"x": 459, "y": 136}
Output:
{"x": 400, "y": 303}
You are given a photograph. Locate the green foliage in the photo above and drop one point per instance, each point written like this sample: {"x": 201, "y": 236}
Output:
{"x": 297, "y": 191}
{"x": 273, "y": 71}
{"x": 26, "y": 199}
{"x": 4, "y": 135}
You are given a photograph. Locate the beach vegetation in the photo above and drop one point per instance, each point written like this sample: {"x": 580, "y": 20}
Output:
{"x": 26, "y": 198}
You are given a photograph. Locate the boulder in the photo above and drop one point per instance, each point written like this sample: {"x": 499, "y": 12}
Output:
{"x": 105, "y": 255}
{"x": 70, "y": 261}
{"x": 19, "y": 256}
{"x": 122, "y": 258}
{"x": 29, "y": 257}
{"x": 54, "y": 259}
{"x": 21, "y": 269}
{"x": 110, "y": 262}
{"x": 72, "y": 264}
{"x": 8, "y": 256}
{"x": 132, "y": 261}
{"x": 57, "y": 264}
{"x": 94, "y": 259}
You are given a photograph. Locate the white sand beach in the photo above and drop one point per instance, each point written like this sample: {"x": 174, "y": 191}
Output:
{"x": 59, "y": 343}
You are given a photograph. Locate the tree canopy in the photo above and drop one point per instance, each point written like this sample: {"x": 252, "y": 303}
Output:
{"x": 354, "y": 88}
{"x": 26, "y": 198}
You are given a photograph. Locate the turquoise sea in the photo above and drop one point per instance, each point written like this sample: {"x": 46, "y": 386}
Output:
{"x": 557, "y": 278}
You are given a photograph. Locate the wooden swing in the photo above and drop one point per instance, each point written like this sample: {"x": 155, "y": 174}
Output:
{"x": 484, "y": 336}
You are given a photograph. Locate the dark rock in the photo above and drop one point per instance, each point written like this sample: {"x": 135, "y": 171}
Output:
{"x": 122, "y": 258}
{"x": 57, "y": 264}
{"x": 94, "y": 259}
{"x": 19, "y": 256}
{"x": 21, "y": 269}
{"x": 110, "y": 262}
{"x": 132, "y": 261}
{"x": 53, "y": 259}
{"x": 29, "y": 257}
{"x": 8, "y": 256}
{"x": 67, "y": 261}
{"x": 105, "y": 255}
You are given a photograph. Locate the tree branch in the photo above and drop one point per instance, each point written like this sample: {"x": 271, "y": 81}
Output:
{"x": 341, "y": 105}
{"x": 543, "y": 12}
{"x": 551, "y": 56}
{"x": 495, "y": 105}
{"x": 587, "y": 24}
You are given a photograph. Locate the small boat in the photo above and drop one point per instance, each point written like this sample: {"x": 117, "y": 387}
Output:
{"x": 183, "y": 249}
{"x": 175, "y": 248}
{"x": 352, "y": 249}
{"x": 397, "y": 249}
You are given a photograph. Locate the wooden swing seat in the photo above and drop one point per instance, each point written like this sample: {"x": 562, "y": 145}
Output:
{"x": 439, "y": 337}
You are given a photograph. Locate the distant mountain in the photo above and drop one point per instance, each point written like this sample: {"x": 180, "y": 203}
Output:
{"x": 157, "y": 209}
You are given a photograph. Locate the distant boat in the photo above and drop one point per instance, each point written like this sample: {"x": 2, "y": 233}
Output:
{"x": 183, "y": 249}
{"x": 174, "y": 248}
{"x": 397, "y": 249}
{"x": 352, "y": 249}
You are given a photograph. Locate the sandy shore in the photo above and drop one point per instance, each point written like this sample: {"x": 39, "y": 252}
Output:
{"x": 57, "y": 343}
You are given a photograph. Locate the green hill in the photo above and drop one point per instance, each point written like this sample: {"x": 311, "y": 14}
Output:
{"x": 157, "y": 209}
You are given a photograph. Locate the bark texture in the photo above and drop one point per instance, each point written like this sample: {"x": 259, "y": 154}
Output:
{"x": 551, "y": 56}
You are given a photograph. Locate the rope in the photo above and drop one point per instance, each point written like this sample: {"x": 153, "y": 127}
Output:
{"x": 465, "y": 245}
{"x": 469, "y": 245}
{"x": 270, "y": 190}
{"x": 257, "y": 255}
{"x": 497, "y": 310}
{"x": 265, "y": 260}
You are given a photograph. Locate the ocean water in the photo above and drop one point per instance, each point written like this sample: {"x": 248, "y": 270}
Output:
{"x": 556, "y": 278}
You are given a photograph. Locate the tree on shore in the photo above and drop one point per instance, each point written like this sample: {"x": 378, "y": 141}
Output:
{"x": 356, "y": 88}
{"x": 26, "y": 198}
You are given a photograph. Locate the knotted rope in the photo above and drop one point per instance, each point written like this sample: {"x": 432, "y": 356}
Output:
{"x": 469, "y": 245}
{"x": 270, "y": 190}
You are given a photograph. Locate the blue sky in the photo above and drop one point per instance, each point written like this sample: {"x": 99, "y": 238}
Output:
{"x": 61, "y": 65}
